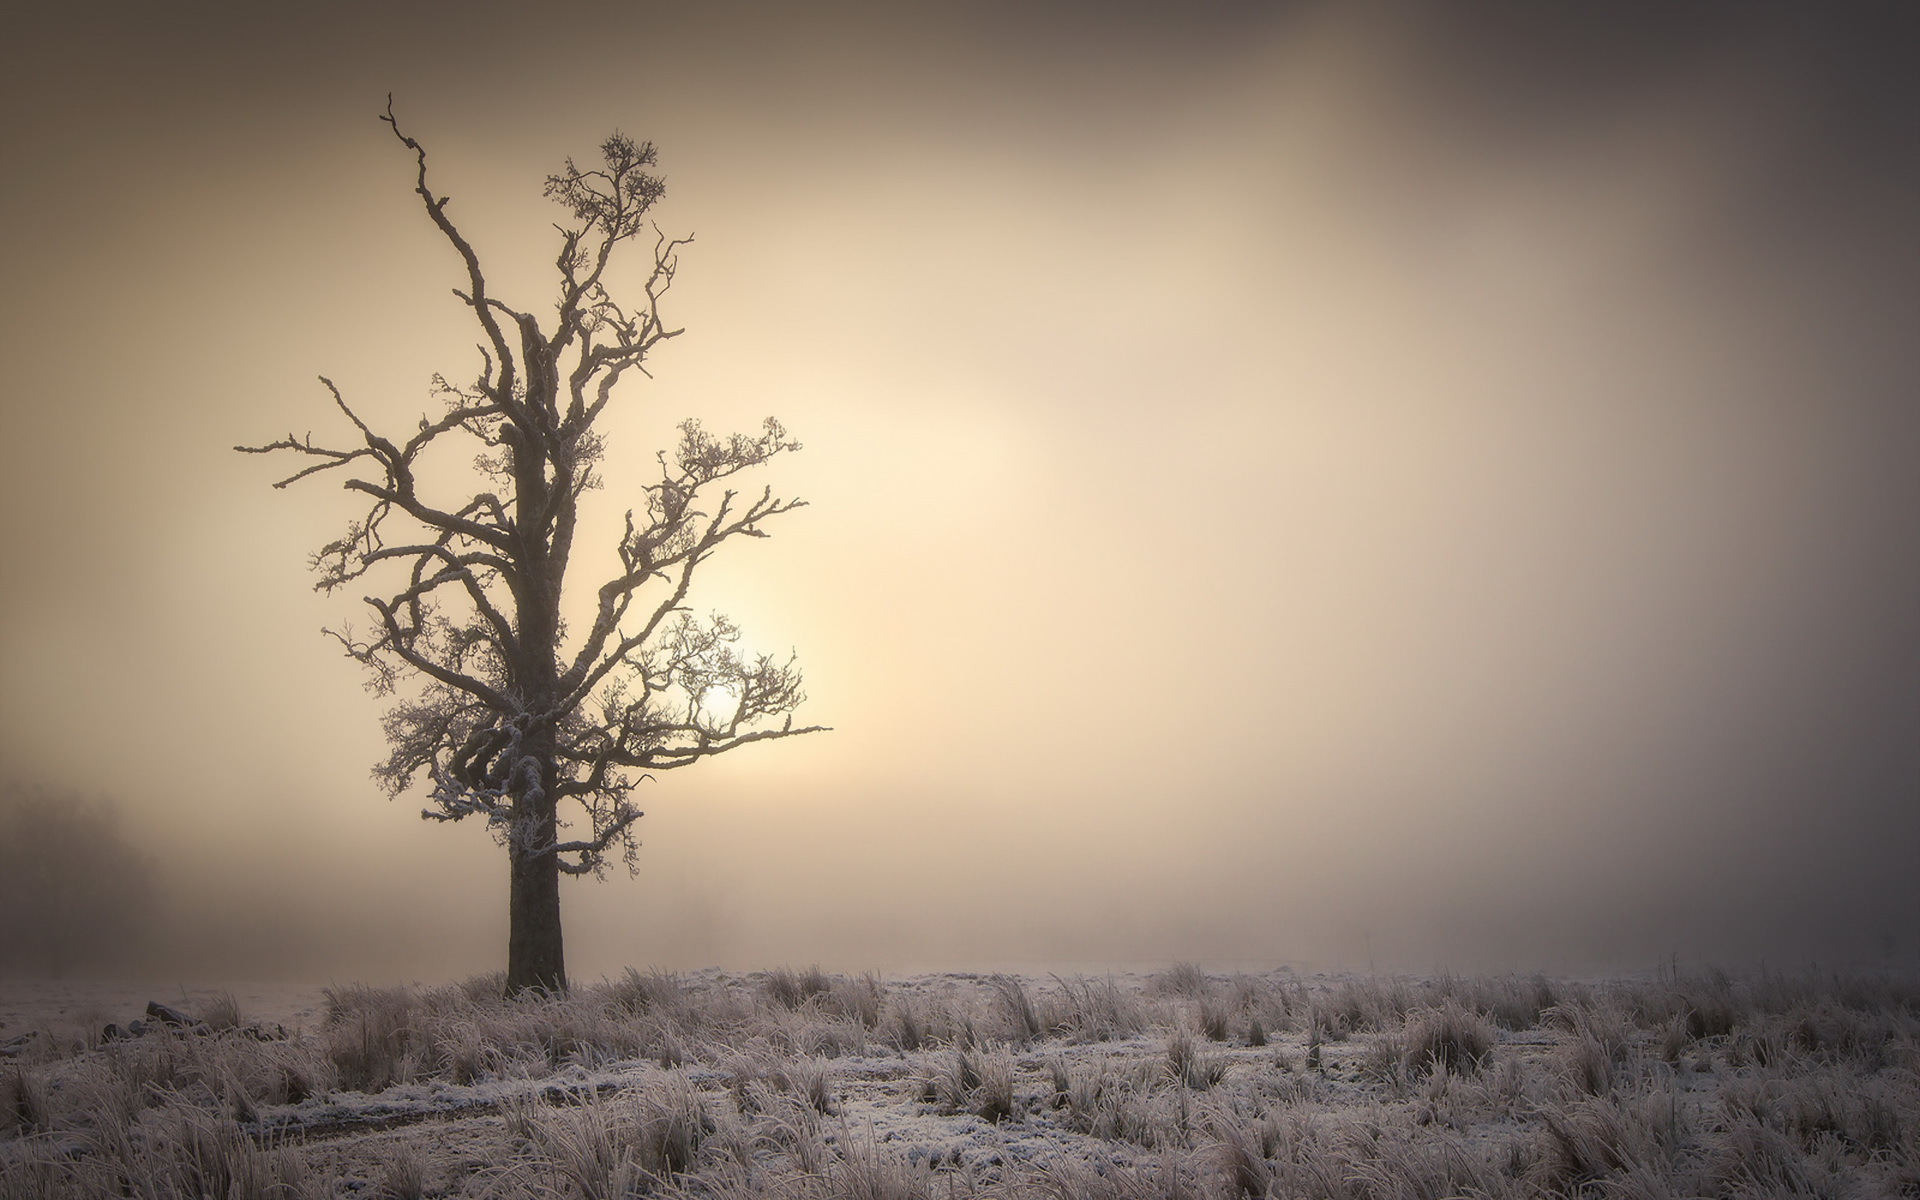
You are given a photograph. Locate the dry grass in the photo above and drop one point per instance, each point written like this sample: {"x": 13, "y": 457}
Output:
{"x": 1448, "y": 1038}
{"x": 803, "y": 1084}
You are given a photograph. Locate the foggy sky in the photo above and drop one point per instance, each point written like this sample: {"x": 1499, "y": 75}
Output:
{"x": 1414, "y": 487}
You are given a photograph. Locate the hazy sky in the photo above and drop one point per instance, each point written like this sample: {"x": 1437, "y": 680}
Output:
{"x": 1427, "y": 486}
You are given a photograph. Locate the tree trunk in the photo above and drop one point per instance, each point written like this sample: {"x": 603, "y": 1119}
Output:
{"x": 536, "y": 954}
{"x": 536, "y": 958}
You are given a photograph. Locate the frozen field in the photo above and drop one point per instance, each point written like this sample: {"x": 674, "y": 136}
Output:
{"x": 799, "y": 1084}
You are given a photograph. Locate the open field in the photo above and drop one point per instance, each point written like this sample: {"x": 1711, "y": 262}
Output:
{"x": 800, "y": 1084}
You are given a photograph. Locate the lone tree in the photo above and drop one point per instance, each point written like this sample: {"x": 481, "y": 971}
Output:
{"x": 496, "y": 707}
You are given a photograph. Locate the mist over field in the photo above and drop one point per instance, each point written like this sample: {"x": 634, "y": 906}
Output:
{"x": 1309, "y": 484}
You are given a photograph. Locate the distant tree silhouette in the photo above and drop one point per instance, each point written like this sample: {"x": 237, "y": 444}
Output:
{"x": 497, "y": 708}
{"x": 73, "y": 892}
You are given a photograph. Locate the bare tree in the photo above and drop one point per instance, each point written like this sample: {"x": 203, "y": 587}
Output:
{"x": 496, "y": 708}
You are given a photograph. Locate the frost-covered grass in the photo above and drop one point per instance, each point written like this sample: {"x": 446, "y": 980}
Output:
{"x": 803, "y": 1084}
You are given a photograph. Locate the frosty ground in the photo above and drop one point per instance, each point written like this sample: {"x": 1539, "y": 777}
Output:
{"x": 801, "y": 1084}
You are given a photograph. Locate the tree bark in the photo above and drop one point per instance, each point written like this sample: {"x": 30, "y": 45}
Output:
{"x": 536, "y": 957}
{"x": 536, "y": 953}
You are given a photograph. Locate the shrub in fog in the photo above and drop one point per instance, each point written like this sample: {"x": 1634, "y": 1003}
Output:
{"x": 74, "y": 893}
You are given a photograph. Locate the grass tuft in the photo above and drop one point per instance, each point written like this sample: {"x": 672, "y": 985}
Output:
{"x": 1018, "y": 1009}
{"x": 1191, "y": 1067}
{"x": 1182, "y": 979}
{"x": 1451, "y": 1038}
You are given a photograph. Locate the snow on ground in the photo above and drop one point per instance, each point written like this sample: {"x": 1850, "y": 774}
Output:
{"x": 806, "y": 1085}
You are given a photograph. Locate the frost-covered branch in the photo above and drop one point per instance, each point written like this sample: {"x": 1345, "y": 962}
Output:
{"x": 467, "y": 584}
